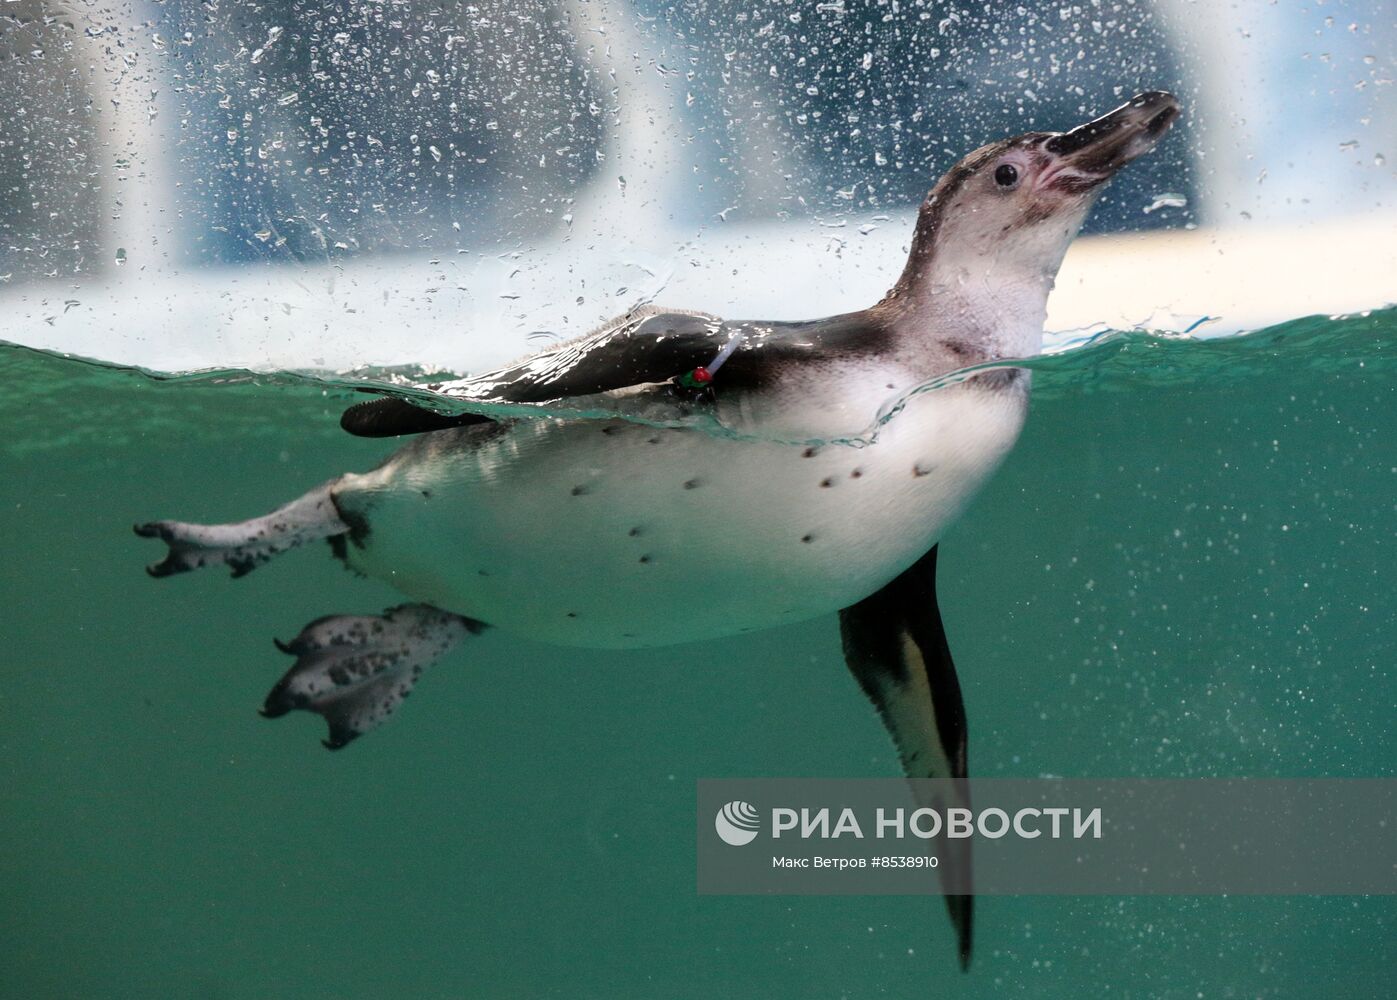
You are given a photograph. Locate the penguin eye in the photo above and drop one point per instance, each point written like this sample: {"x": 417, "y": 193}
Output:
{"x": 1006, "y": 175}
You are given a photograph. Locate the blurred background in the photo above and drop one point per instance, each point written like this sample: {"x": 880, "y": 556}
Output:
{"x": 332, "y": 184}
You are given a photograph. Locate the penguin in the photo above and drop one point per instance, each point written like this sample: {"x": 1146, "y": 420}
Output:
{"x": 627, "y": 524}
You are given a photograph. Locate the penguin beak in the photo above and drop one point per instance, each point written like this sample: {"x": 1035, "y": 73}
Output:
{"x": 1090, "y": 154}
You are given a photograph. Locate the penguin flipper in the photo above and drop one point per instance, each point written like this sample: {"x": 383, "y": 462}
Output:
{"x": 646, "y": 345}
{"x": 393, "y": 417}
{"x": 354, "y": 670}
{"x": 895, "y": 644}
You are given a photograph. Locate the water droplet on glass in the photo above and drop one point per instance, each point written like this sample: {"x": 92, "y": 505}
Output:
{"x": 120, "y": 256}
{"x": 273, "y": 33}
{"x": 1348, "y": 147}
{"x": 1168, "y": 199}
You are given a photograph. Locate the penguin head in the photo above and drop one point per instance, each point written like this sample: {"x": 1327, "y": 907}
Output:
{"x": 1010, "y": 209}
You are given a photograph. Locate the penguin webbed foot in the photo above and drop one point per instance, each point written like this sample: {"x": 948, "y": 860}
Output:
{"x": 191, "y": 547}
{"x": 245, "y": 545}
{"x": 355, "y": 670}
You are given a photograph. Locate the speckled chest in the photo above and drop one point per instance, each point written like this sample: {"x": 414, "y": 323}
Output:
{"x": 615, "y": 534}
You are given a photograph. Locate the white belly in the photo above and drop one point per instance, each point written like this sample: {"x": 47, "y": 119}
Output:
{"x": 615, "y": 534}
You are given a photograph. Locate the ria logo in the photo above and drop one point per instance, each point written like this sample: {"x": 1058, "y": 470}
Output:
{"x": 737, "y": 823}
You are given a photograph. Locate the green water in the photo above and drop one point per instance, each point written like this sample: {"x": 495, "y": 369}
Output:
{"x": 1186, "y": 568}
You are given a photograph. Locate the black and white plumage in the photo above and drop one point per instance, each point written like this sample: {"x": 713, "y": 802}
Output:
{"x": 620, "y": 534}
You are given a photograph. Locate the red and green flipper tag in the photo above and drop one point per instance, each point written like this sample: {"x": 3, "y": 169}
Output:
{"x": 699, "y": 378}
